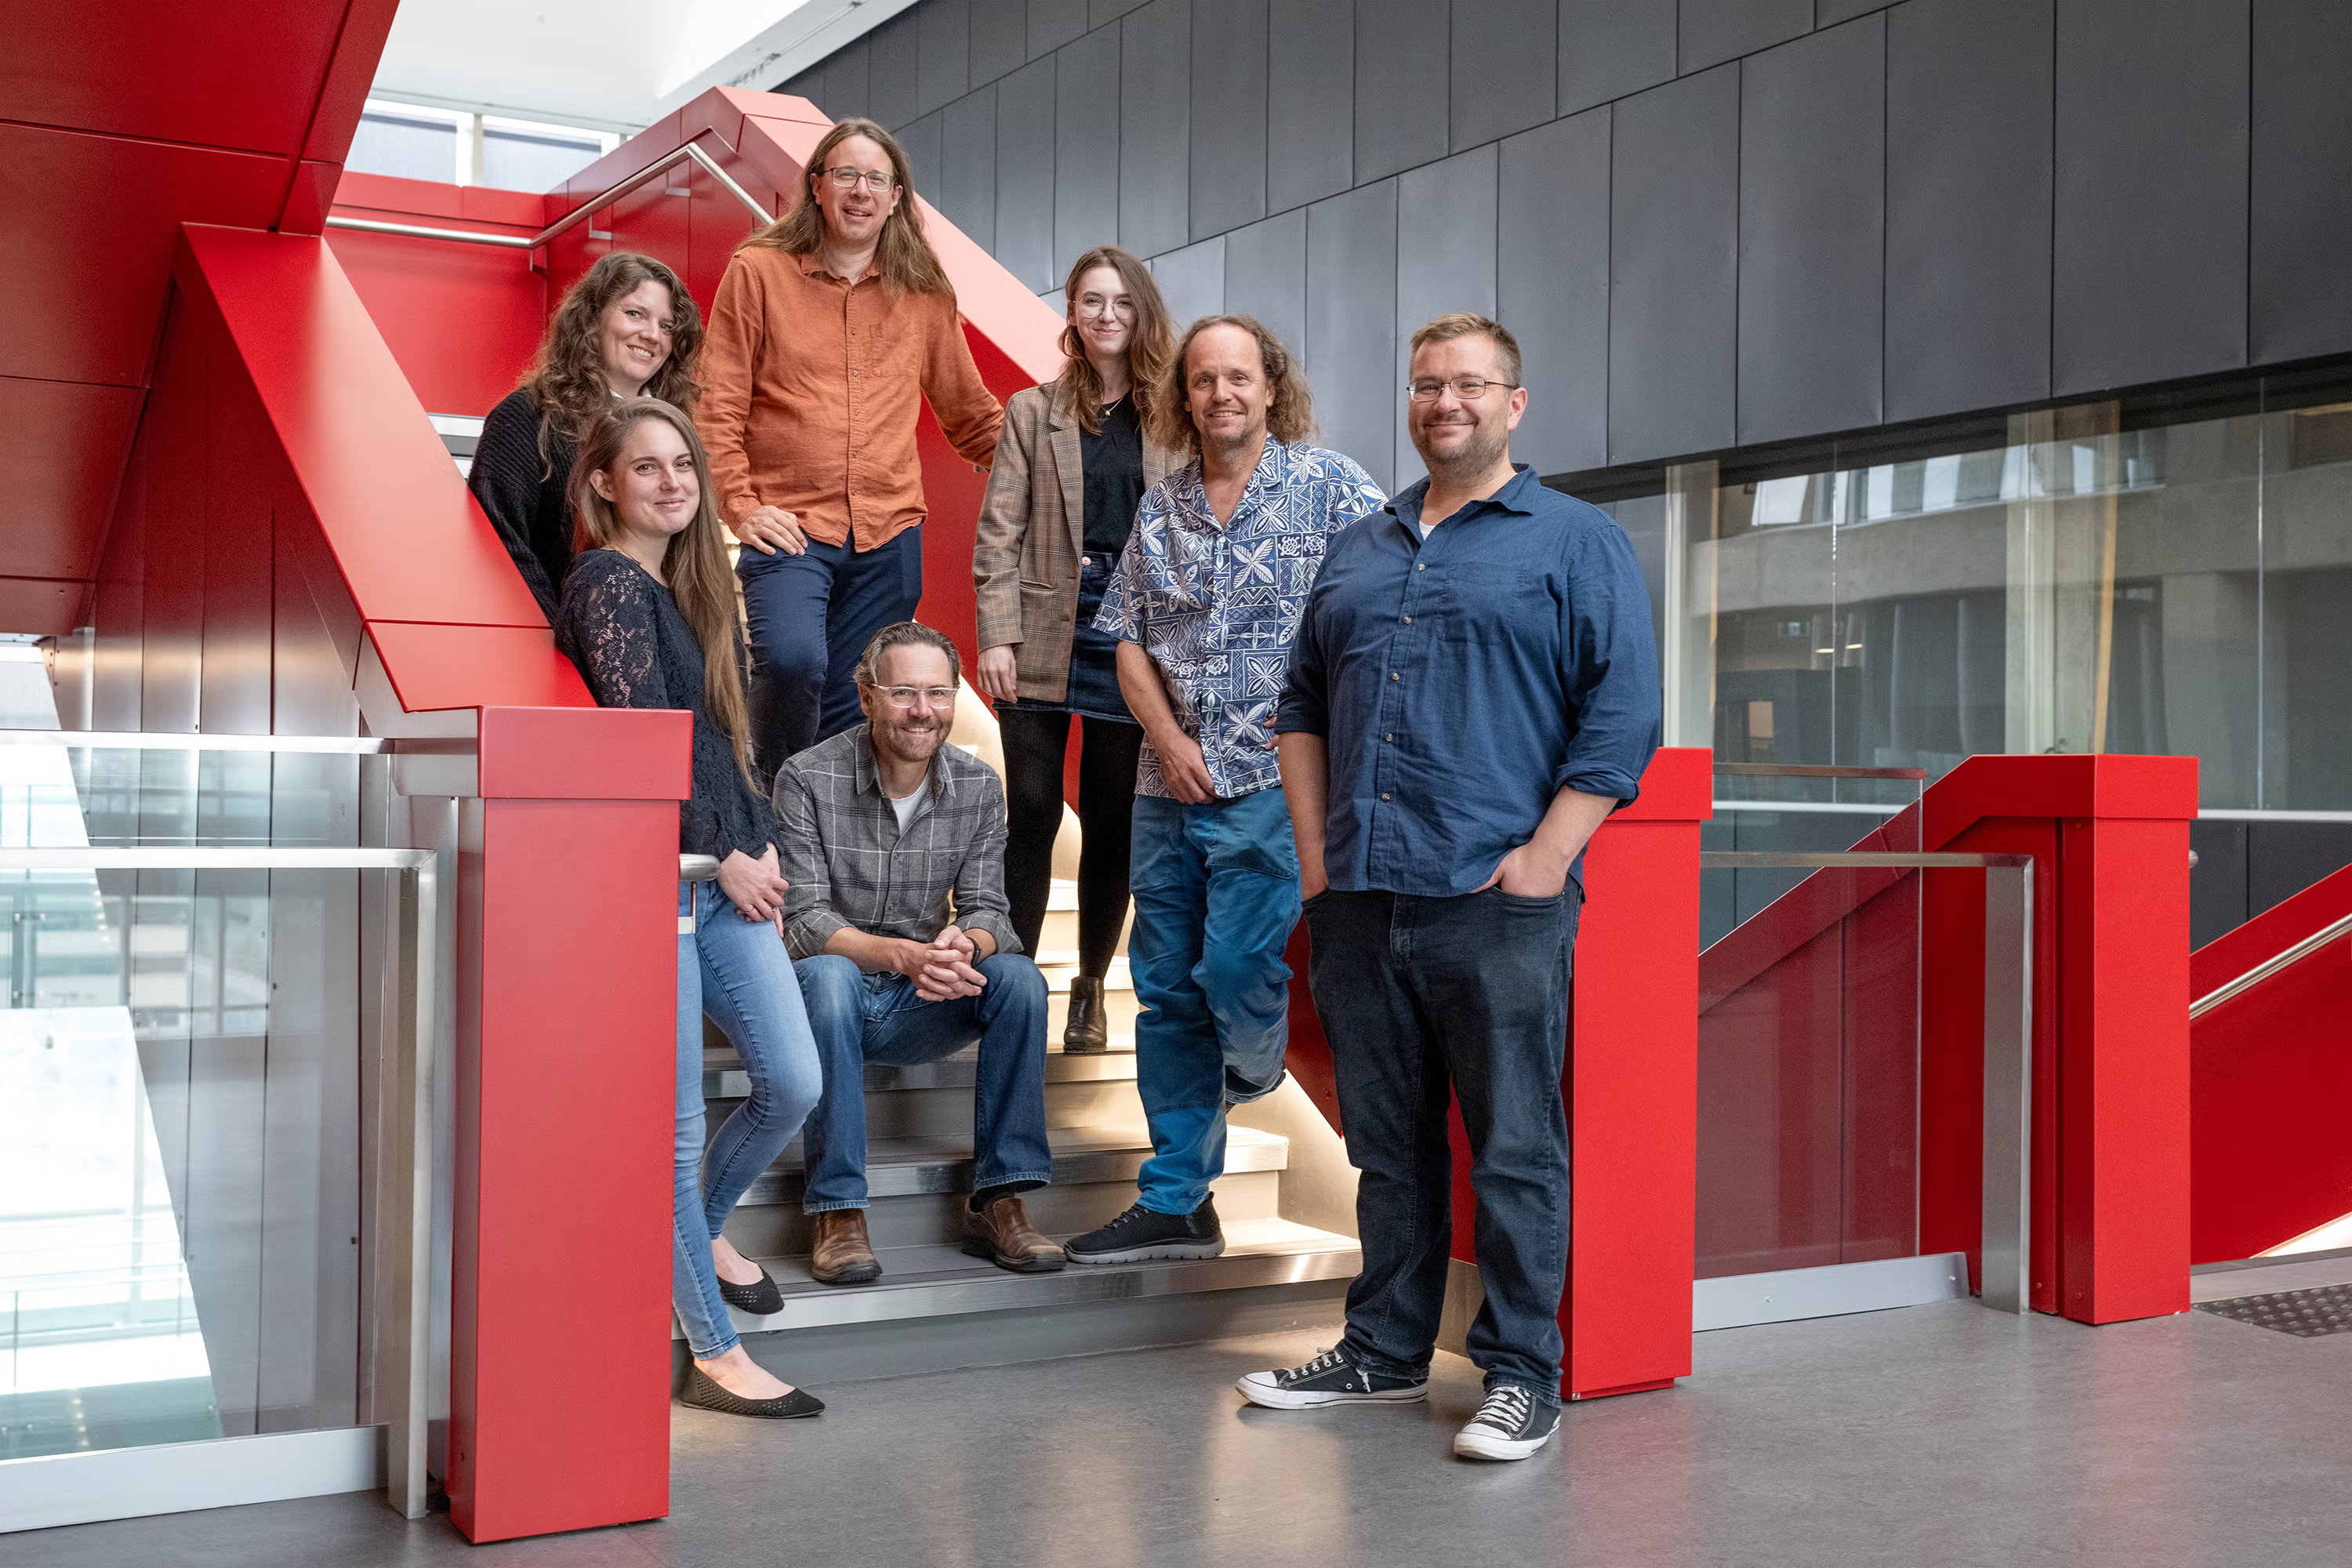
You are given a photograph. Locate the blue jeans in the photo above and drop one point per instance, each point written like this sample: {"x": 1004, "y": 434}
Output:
{"x": 811, "y": 616}
{"x": 737, "y": 972}
{"x": 1216, "y": 894}
{"x": 860, "y": 1018}
{"x": 1412, "y": 992}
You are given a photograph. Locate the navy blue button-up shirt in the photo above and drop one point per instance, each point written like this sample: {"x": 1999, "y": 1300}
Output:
{"x": 1462, "y": 680}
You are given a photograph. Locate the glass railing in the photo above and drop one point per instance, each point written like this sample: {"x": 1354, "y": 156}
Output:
{"x": 215, "y": 1066}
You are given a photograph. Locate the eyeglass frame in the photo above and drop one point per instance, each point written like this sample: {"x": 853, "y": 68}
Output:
{"x": 862, "y": 177}
{"x": 936, "y": 696}
{"x": 1411, "y": 392}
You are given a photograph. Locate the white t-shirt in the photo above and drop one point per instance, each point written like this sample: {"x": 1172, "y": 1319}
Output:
{"x": 909, "y": 806}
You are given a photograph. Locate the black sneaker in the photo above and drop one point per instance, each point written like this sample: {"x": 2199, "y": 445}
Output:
{"x": 1511, "y": 1424}
{"x": 1139, "y": 1234}
{"x": 1331, "y": 1378}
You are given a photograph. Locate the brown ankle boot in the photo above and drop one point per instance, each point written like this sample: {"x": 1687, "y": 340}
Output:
{"x": 1002, "y": 1234}
{"x": 841, "y": 1255}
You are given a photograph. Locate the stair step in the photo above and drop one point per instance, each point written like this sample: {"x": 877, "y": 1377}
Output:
{"x": 925, "y": 1281}
{"x": 907, "y": 1167}
{"x": 723, "y": 1076}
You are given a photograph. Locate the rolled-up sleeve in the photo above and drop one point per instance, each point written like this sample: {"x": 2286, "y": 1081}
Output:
{"x": 1609, "y": 669}
{"x": 980, "y": 901}
{"x": 809, "y": 918}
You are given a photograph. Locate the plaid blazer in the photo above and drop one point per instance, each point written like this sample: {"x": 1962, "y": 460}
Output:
{"x": 1033, "y": 523}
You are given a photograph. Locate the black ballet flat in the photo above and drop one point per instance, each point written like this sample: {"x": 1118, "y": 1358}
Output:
{"x": 760, "y": 1298}
{"x": 703, "y": 1392}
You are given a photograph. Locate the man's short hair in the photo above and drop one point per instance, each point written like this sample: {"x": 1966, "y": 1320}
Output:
{"x": 899, "y": 635}
{"x": 1464, "y": 324}
{"x": 1290, "y": 411}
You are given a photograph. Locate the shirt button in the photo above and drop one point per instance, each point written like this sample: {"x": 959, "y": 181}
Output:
{"x": 1408, "y": 620}
{"x": 1387, "y": 737}
{"x": 1394, "y": 675}
{"x": 1384, "y": 795}
{"x": 1421, "y": 565}
{"x": 854, "y": 372}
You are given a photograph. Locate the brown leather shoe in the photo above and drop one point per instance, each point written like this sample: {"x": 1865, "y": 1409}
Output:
{"x": 843, "y": 1254}
{"x": 1002, "y": 1234}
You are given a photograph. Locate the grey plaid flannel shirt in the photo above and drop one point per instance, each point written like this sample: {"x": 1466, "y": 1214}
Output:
{"x": 848, "y": 865}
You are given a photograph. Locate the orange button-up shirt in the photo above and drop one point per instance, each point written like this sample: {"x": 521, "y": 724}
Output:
{"x": 814, "y": 387}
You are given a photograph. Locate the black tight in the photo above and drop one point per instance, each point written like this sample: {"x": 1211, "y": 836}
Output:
{"x": 1034, "y": 743}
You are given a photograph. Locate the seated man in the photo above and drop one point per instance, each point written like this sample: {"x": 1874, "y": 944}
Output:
{"x": 882, "y": 824}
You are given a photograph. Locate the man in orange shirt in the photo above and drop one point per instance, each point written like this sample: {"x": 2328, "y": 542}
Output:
{"x": 832, "y": 327}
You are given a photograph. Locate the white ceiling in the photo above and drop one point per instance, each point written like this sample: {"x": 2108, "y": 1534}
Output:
{"x": 615, "y": 65}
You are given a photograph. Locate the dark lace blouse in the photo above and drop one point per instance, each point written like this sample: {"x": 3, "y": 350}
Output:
{"x": 635, "y": 649}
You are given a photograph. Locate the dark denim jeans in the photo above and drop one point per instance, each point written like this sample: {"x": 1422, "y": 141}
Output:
{"x": 860, "y": 1018}
{"x": 1413, "y": 993}
{"x": 811, "y": 615}
{"x": 1216, "y": 895}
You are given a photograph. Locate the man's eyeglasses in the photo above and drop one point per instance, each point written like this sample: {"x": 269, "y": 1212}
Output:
{"x": 905, "y": 696}
{"x": 845, "y": 178}
{"x": 1468, "y": 388}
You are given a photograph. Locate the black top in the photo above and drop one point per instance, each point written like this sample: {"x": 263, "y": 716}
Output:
{"x": 522, "y": 492}
{"x": 634, "y": 650}
{"x": 1112, "y": 461}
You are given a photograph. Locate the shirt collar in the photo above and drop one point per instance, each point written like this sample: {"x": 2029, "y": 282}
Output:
{"x": 812, "y": 265}
{"x": 1273, "y": 465}
{"x": 1513, "y": 496}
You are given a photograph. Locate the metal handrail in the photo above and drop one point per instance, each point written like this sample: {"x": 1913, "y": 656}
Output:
{"x": 1736, "y": 859}
{"x": 1807, "y": 770}
{"x": 418, "y": 965}
{"x": 688, "y": 152}
{"x": 698, "y": 867}
{"x": 162, "y": 740}
{"x": 2269, "y": 967}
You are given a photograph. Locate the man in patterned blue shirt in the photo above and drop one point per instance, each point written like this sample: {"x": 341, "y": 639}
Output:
{"x": 1205, "y": 602}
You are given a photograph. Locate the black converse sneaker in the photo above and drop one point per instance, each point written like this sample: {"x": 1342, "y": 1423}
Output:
{"x": 1139, "y": 1234}
{"x": 1331, "y": 1378}
{"x": 1511, "y": 1424}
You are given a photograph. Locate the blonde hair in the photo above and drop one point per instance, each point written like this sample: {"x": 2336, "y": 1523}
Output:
{"x": 904, "y": 257}
{"x": 1147, "y": 346}
{"x": 695, "y": 563}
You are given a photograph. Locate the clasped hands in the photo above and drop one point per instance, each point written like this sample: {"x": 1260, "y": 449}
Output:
{"x": 943, "y": 968}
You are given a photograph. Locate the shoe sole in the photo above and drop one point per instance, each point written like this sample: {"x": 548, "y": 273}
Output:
{"x": 856, "y": 1274}
{"x": 1476, "y": 1446}
{"x": 1274, "y": 1398}
{"x": 1013, "y": 1264}
{"x": 1169, "y": 1252}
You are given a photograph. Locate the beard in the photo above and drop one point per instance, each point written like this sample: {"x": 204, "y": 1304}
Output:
{"x": 911, "y": 739}
{"x": 1490, "y": 437}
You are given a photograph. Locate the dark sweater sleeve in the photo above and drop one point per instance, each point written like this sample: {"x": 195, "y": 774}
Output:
{"x": 507, "y": 473}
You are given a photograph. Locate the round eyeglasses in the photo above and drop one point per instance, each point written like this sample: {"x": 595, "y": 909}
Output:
{"x": 1468, "y": 388}
{"x": 845, "y": 178}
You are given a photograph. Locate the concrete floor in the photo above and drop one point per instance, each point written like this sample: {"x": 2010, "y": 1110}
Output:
{"x": 1941, "y": 1435}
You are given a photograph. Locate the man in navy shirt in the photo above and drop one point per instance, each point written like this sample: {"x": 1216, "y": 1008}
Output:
{"x": 1474, "y": 688}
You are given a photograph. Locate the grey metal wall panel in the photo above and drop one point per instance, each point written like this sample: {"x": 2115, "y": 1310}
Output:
{"x": 1969, "y": 106}
{"x": 1310, "y": 100}
{"x": 1813, "y": 141}
{"x": 1024, "y": 174}
{"x": 1228, "y": 114}
{"x": 1086, "y": 147}
{"x": 1504, "y": 64}
{"x": 967, "y": 192}
{"x": 1053, "y": 23}
{"x": 1400, "y": 76}
{"x": 1000, "y": 39}
{"x": 1192, "y": 280}
{"x": 1713, "y": 31}
{"x": 1609, "y": 48}
{"x": 1155, "y": 106}
{"x": 921, "y": 141}
{"x": 1551, "y": 287}
{"x": 2150, "y": 237}
{"x": 809, "y": 84}
{"x": 1829, "y": 13}
{"x": 845, "y": 82}
{"x": 944, "y": 28}
{"x": 1674, "y": 241}
{"x": 2283, "y": 858}
{"x": 1266, "y": 275}
{"x": 2302, "y": 203}
{"x": 1445, "y": 262}
{"x": 1351, "y": 322}
{"x": 894, "y": 86}
{"x": 1099, "y": 12}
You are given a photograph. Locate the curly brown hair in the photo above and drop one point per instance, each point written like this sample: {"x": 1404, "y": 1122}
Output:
{"x": 1290, "y": 417}
{"x": 1147, "y": 346}
{"x": 904, "y": 257}
{"x": 566, "y": 378}
{"x": 694, "y": 564}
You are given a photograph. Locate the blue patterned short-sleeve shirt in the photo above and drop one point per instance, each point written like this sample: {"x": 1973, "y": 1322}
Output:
{"x": 1217, "y": 607}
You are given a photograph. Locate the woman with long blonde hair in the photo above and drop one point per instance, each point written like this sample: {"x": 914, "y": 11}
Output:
{"x": 1040, "y": 575}
{"x": 648, "y": 615}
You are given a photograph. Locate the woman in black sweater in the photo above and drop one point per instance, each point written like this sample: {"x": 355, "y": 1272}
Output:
{"x": 628, "y": 328}
{"x": 648, "y": 615}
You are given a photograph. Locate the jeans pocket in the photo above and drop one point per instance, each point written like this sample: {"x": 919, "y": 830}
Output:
{"x": 1549, "y": 903}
